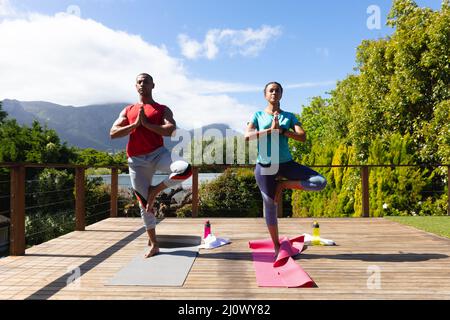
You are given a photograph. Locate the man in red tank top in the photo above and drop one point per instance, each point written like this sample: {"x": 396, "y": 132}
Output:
{"x": 146, "y": 123}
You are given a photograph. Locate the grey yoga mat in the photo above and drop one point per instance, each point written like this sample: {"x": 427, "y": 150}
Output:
{"x": 168, "y": 268}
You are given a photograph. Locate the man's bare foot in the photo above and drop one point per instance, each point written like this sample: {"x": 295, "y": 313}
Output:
{"x": 151, "y": 196}
{"x": 154, "y": 250}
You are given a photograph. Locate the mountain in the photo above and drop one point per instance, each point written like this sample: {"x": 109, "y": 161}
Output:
{"x": 87, "y": 126}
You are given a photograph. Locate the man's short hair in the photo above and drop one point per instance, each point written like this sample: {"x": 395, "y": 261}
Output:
{"x": 146, "y": 75}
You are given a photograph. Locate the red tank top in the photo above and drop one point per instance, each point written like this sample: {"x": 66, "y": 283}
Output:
{"x": 143, "y": 140}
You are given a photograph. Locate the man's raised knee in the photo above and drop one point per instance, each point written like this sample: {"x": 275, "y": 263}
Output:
{"x": 181, "y": 170}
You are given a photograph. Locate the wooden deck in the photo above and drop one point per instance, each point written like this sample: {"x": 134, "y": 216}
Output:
{"x": 412, "y": 264}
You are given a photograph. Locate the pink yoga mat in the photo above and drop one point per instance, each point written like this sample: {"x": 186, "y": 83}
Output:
{"x": 282, "y": 271}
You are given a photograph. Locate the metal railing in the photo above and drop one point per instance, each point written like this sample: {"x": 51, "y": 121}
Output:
{"x": 364, "y": 174}
{"x": 17, "y": 199}
{"x": 17, "y": 193}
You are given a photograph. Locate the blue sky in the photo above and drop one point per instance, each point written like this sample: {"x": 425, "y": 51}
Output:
{"x": 305, "y": 45}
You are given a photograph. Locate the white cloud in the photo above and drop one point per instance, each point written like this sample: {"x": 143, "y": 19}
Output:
{"x": 246, "y": 42}
{"x": 190, "y": 48}
{"x": 6, "y": 9}
{"x": 73, "y": 61}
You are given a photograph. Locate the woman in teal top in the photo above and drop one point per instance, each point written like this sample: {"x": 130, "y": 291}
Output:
{"x": 273, "y": 127}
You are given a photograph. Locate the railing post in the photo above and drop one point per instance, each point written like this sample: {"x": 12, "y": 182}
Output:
{"x": 114, "y": 191}
{"x": 448, "y": 190}
{"x": 365, "y": 191}
{"x": 80, "y": 209}
{"x": 194, "y": 192}
{"x": 280, "y": 206}
{"x": 17, "y": 227}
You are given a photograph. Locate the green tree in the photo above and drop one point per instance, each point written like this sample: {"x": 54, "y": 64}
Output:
{"x": 92, "y": 157}
{"x": 233, "y": 194}
{"x": 394, "y": 110}
{"x": 3, "y": 114}
{"x": 31, "y": 144}
{"x": 313, "y": 119}
{"x": 50, "y": 192}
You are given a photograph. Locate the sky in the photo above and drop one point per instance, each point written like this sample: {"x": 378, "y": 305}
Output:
{"x": 210, "y": 59}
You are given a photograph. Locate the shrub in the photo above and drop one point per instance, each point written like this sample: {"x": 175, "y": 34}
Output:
{"x": 232, "y": 194}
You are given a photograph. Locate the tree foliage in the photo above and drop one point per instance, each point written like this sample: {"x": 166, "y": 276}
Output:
{"x": 50, "y": 192}
{"x": 394, "y": 110}
{"x": 3, "y": 114}
{"x": 92, "y": 157}
{"x": 32, "y": 144}
{"x": 233, "y": 194}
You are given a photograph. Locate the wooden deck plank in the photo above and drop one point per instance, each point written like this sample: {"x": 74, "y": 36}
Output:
{"x": 413, "y": 264}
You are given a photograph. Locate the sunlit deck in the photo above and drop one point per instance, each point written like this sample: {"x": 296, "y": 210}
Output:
{"x": 412, "y": 264}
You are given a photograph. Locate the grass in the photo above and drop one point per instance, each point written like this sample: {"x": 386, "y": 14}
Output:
{"x": 439, "y": 225}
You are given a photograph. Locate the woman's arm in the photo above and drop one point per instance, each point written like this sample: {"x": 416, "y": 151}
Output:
{"x": 251, "y": 132}
{"x": 298, "y": 134}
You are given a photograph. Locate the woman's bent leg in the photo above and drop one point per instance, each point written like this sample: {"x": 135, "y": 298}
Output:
{"x": 307, "y": 178}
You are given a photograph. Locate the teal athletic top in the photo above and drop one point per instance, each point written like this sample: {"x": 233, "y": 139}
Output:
{"x": 262, "y": 120}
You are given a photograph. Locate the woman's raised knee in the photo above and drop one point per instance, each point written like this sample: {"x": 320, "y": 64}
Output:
{"x": 322, "y": 182}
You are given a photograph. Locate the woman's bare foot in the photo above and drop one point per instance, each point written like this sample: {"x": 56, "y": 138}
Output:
{"x": 154, "y": 250}
{"x": 276, "y": 253}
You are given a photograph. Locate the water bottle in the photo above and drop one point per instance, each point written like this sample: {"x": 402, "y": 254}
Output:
{"x": 316, "y": 234}
{"x": 207, "y": 229}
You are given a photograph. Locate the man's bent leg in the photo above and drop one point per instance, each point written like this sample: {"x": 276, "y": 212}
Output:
{"x": 179, "y": 170}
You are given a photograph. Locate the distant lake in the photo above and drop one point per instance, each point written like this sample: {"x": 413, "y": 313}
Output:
{"x": 124, "y": 179}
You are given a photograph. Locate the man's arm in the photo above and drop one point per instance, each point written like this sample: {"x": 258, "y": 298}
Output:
{"x": 121, "y": 127}
{"x": 167, "y": 128}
